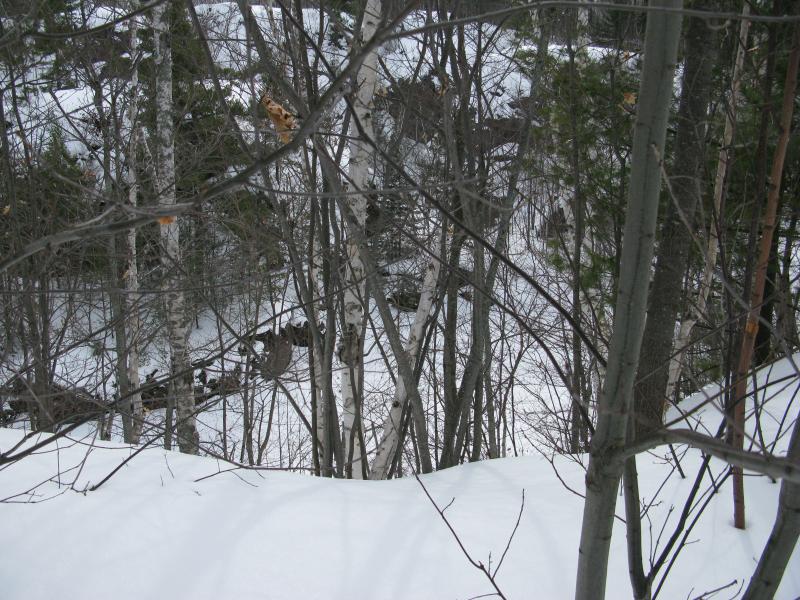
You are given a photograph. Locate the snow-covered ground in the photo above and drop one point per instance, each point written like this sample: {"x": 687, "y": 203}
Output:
{"x": 173, "y": 526}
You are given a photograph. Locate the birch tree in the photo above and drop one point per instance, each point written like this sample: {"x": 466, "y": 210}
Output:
{"x": 352, "y": 349}
{"x": 174, "y": 299}
{"x": 390, "y": 439}
{"x": 131, "y": 269}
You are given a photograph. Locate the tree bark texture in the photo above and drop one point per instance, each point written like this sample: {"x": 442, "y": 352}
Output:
{"x": 698, "y": 308}
{"x": 352, "y": 351}
{"x": 757, "y": 295}
{"x": 131, "y": 270}
{"x": 606, "y": 462}
{"x": 673, "y": 249}
{"x": 390, "y": 439}
{"x": 174, "y": 298}
{"x": 783, "y": 538}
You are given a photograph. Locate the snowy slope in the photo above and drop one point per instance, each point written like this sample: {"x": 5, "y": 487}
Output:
{"x": 159, "y": 529}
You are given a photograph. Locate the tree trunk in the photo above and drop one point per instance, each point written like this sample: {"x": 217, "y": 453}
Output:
{"x": 390, "y": 440}
{"x": 605, "y": 462}
{"x": 767, "y": 231}
{"x": 352, "y": 350}
{"x": 783, "y": 538}
{"x": 330, "y": 265}
{"x": 698, "y": 308}
{"x": 676, "y": 238}
{"x": 449, "y": 363}
{"x": 174, "y": 298}
{"x": 762, "y": 346}
{"x": 488, "y": 394}
{"x": 115, "y": 295}
{"x": 633, "y": 525}
{"x": 322, "y": 445}
{"x": 131, "y": 269}
{"x": 118, "y": 317}
{"x": 579, "y": 432}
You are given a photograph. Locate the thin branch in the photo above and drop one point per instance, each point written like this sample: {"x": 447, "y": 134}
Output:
{"x": 773, "y": 466}
{"x": 478, "y": 565}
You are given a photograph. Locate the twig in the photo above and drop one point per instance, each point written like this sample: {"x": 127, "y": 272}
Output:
{"x": 710, "y": 593}
{"x": 477, "y": 564}
{"x": 513, "y": 532}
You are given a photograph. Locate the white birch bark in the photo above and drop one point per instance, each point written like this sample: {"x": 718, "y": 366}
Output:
{"x": 391, "y": 426}
{"x": 697, "y": 311}
{"x": 352, "y": 353}
{"x": 170, "y": 238}
{"x": 131, "y": 271}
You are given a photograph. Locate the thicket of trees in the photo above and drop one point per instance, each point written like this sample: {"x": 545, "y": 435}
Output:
{"x": 371, "y": 239}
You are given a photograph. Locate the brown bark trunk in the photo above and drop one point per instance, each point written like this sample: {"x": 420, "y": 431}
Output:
{"x": 768, "y": 229}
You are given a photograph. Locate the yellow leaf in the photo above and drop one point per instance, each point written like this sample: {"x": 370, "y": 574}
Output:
{"x": 166, "y": 220}
{"x": 629, "y": 98}
{"x": 6, "y": 209}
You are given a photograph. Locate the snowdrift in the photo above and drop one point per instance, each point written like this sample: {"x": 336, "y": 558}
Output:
{"x": 173, "y": 526}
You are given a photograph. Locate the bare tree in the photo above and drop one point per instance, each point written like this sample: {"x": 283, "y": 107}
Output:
{"x": 351, "y": 352}
{"x": 174, "y": 299}
{"x": 698, "y": 307}
{"x": 757, "y": 293}
{"x": 676, "y": 230}
{"x": 392, "y": 427}
{"x": 605, "y": 462}
{"x": 783, "y": 537}
{"x": 131, "y": 268}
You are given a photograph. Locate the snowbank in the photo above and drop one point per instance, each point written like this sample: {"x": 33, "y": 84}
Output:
{"x": 174, "y": 526}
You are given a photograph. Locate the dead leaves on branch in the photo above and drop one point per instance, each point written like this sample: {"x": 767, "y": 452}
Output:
{"x": 281, "y": 118}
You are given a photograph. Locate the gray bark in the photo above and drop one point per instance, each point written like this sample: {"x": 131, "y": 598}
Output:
{"x": 606, "y": 462}
{"x": 783, "y": 538}
{"x": 633, "y": 522}
{"x": 698, "y": 308}
{"x": 673, "y": 251}
{"x": 676, "y": 239}
{"x": 491, "y": 419}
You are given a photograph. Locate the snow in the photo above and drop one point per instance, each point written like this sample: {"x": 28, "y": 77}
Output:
{"x": 169, "y": 525}
{"x": 176, "y": 526}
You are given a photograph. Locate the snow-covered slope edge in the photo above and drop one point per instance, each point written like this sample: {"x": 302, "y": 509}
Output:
{"x": 170, "y": 525}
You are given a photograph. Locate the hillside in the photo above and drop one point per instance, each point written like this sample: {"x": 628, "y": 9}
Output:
{"x": 237, "y": 533}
